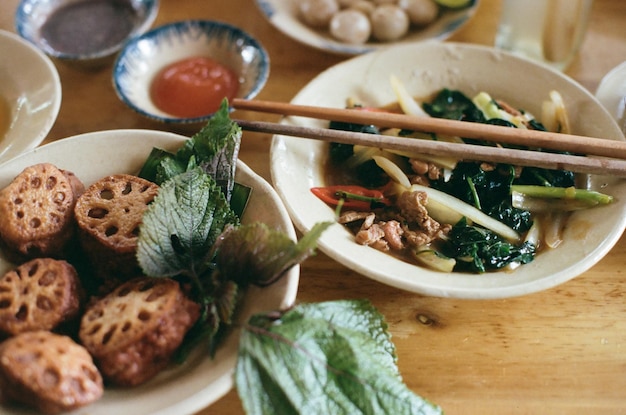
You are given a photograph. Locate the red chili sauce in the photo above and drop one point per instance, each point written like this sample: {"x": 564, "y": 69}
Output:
{"x": 87, "y": 27}
{"x": 193, "y": 87}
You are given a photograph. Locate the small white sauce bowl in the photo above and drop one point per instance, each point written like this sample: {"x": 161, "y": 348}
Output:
{"x": 144, "y": 56}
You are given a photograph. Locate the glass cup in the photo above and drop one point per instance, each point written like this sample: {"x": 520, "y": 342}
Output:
{"x": 550, "y": 31}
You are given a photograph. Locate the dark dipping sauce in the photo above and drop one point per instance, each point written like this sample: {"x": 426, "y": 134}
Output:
{"x": 88, "y": 27}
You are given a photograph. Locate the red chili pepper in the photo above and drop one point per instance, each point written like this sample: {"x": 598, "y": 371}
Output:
{"x": 351, "y": 197}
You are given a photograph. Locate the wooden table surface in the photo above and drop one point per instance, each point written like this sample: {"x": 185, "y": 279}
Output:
{"x": 556, "y": 352}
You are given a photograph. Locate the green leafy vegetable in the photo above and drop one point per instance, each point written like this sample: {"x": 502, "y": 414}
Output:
{"x": 214, "y": 148}
{"x": 190, "y": 231}
{"x": 477, "y": 249}
{"x": 326, "y": 358}
{"x": 454, "y": 105}
{"x": 180, "y": 227}
{"x": 259, "y": 255}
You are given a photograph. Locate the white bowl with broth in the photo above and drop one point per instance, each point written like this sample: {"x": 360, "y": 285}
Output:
{"x": 30, "y": 95}
{"x": 298, "y": 164}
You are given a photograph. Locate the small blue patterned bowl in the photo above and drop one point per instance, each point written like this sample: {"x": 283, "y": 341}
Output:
{"x": 83, "y": 31}
{"x": 146, "y": 55}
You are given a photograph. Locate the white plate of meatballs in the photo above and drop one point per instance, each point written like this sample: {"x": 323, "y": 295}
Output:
{"x": 177, "y": 388}
{"x": 352, "y": 27}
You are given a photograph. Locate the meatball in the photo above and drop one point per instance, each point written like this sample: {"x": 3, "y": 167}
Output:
{"x": 420, "y": 12}
{"x": 365, "y": 6}
{"x": 389, "y": 22}
{"x": 350, "y": 26}
{"x": 317, "y": 13}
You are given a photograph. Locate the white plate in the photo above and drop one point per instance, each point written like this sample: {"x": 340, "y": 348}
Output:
{"x": 30, "y": 85}
{"x": 297, "y": 164}
{"x": 283, "y": 15}
{"x": 201, "y": 380}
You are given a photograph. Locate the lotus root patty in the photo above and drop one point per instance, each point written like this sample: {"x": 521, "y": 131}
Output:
{"x": 134, "y": 330}
{"x": 36, "y": 212}
{"x": 108, "y": 215}
{"x": 48, "y": 371}
{"x": 38, "y": 295}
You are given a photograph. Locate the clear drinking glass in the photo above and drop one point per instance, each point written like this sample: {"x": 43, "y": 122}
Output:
{"x": 550, "y": 31}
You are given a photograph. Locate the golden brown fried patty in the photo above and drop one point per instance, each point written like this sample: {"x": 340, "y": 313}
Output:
{"x": 36, "y": 212}
{"x": 49, "y": 372}
{"x": 40, "y": 294}
{"x": 134, "y": 330}
{"x": 108, "y": 215}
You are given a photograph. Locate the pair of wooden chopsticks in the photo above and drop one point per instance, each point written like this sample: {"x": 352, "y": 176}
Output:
{"x": 611, "y": 163}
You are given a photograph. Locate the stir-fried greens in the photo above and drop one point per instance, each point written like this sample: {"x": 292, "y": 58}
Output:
{"x": 496, "y": 217}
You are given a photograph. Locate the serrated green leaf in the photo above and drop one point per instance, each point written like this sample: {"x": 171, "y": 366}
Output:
{"x": 181, "y": 225}
{"x": 215, "y": 148}
{"x": 313, "y": 360}
{"x": 357, "y": 315}
{"x": 259, "y": 255}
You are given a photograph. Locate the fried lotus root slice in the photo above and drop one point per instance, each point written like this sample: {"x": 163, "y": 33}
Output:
{"x": 108, "y": 215}
{"x": 37, "y": 212}
{"x": 133, "y": 331}
{"x": 40, "y": 294}
{"x": 48, "y": 372}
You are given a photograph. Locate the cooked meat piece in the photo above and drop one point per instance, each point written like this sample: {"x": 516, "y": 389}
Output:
{"x": 393, "y": 234}
{"x": 419, "y": 166}
{"x": 367, "y": 236}
{"x": 380, "y": 245}
{"x": 419, "y": 237}
{"x": 434, "y": 172}
{"x": 48, "y": 372}
{"x": 41, "y": 294}
{"x": 352, "y": 216}
{"x": 134, "y": 330}
{"x": 425, "y": 170}
{"x": 36, "y": 212}
{"x": 108, "y": 215}
{"x": 369, "y": 220}
{"x": 412, "y": 206}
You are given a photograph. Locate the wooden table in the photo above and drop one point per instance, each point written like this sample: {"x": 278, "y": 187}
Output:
{"x": 560, "y": 351}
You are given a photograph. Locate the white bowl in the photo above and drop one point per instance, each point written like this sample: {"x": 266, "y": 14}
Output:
{"x": 612, "y": 93}
{"x": 30, "y": 95}
{"x": 31, "y": 16}
{"x": 143, "y": 57}
{"x": 201, "y": 380}
{"x": 283, "y": 15}
{"x": 297, "y": 164}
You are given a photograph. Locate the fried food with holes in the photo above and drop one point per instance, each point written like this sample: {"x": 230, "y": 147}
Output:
{"x": 133, "y": 331}
{"x": 41, "y": 294}
{"x": 108, "y": 215}
{"x": 48, "y": 372}
{"x": 37, "y": 212}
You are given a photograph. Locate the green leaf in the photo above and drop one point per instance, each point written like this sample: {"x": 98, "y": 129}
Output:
{"x": 239, "y": 198}
{"x": 330, "y": 358}
{"x": 215, "y": 148}
{"x": 259, "y": 255}
{"x": 181, "y": 225}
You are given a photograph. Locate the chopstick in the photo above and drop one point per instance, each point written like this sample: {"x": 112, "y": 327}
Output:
{"x": 530, "y": 138}
{"x": 577, "y": 164}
